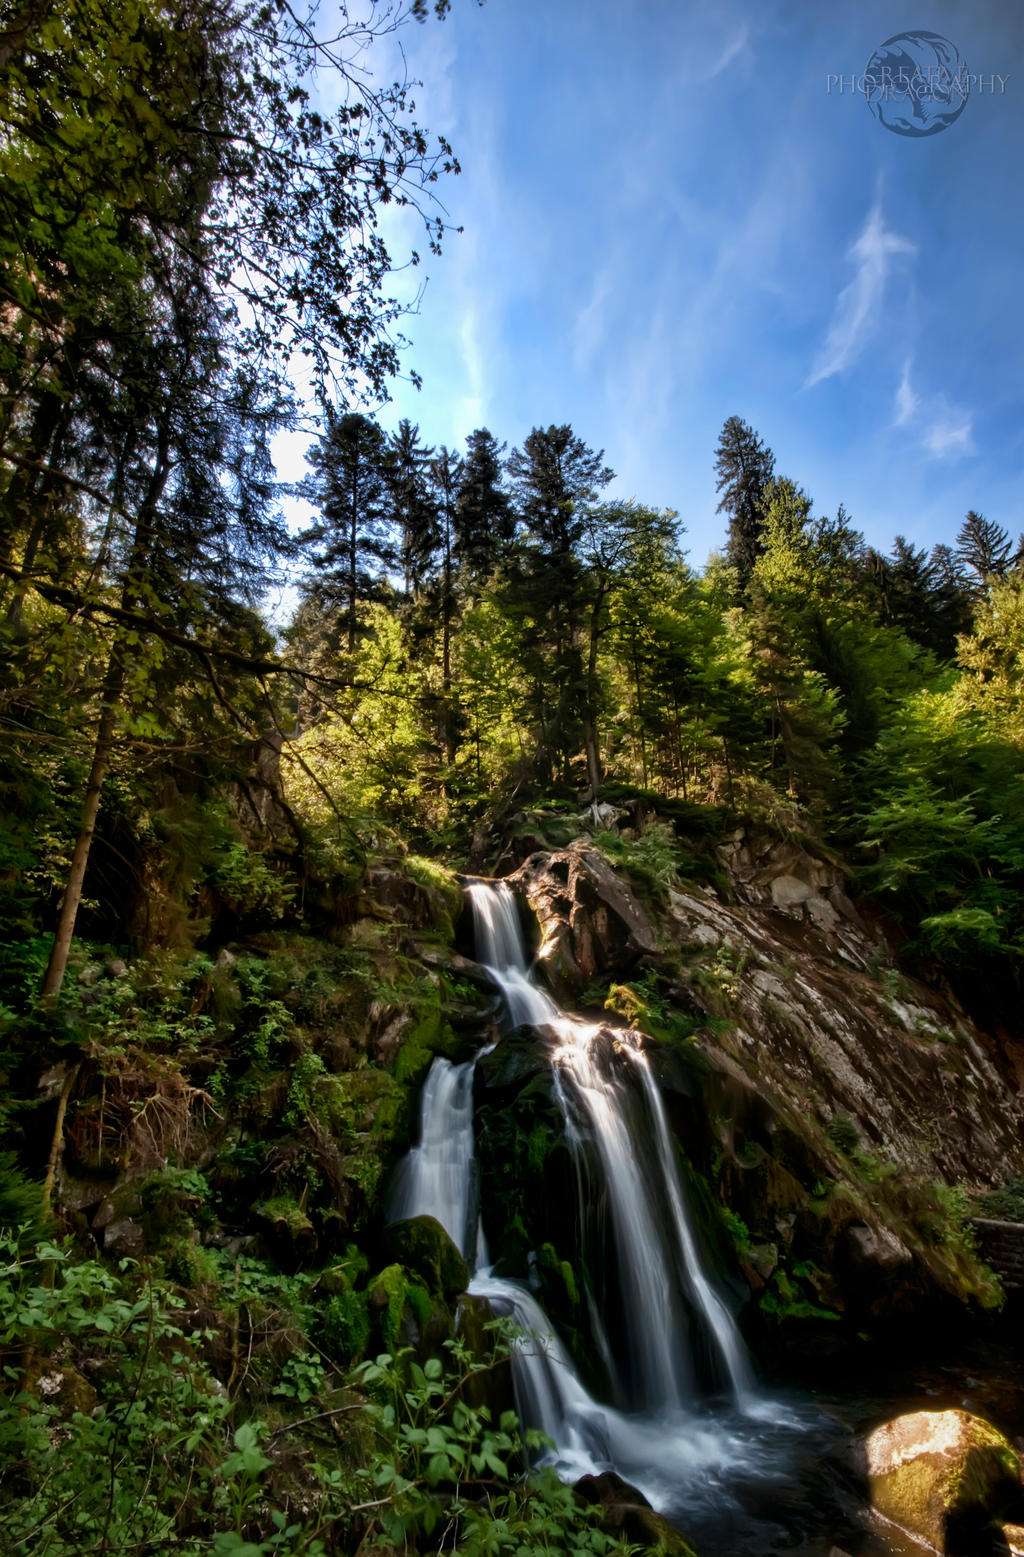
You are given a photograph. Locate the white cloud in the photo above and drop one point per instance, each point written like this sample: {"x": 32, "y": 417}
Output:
{"x": 945, "y": 431}
{"x": 732, "y": 50}
{"x": 949, "y": 435}
{"x": 859, "y": 304}
{"x": 590, "y": 327}
{"x": 907, "y": 401}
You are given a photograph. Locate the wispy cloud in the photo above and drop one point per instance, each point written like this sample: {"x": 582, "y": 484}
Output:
{"x": 950, "y": 435}
{"x": 591, "y": 324}
{"x": 945, "y": 431}
{"x": 907, "y": 401}
{"x": 733, "y": 49}
{"x": 859, "y": 304}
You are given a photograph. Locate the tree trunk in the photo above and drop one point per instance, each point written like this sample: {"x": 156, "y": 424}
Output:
{"x": 113, "y": 689}
{"x": 353, "y": 530}
{"x": 590, "y": 713}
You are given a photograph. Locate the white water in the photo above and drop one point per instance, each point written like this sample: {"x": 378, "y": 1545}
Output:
{"x": 437, "y": 1177}
{"x": 619, "y": 1135}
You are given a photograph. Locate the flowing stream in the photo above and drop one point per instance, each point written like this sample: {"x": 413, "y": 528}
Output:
{"x": 685, "y": 1408}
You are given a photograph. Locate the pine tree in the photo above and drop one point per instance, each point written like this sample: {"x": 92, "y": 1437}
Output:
{"x": 984, "y": 547}
{"x": 445, "y": 471}
{"x": 354, "y": 541}
{"x": 554, "y": 478}
{"x": 413, "y": 506}
{"x": 745, "y": 465}
{"x": 484, "y": 521}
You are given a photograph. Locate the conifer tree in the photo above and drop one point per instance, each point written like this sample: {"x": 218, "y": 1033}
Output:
{"x": 984, "y": 547}
{"x": 413, "y": 506}
{"x": 354, "y": 541}
{"x": 445, "y": 471}
{"x": 554, "y": 478}
{"x": 745, "y": 465}
{"x": 484, "y": 521}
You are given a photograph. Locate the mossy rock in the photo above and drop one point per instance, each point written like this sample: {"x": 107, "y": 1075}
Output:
{"x": 404, "y": 1314}
{"x": 421, "y": 1244}
{"x": 943, "y": 1476}
{"x": 291, "y": 1232}
{"x": 627, "y": 1515}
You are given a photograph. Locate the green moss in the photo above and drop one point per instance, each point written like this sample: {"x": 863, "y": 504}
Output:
{"x": 387, "y": 1296}
{"x": 783, "y": 1302}
{"x": 345, "y": 1326}
{"x": 843, "y": 1134}
{"x": 643, "y": 1006}
{"x": 737, "y": 1229}
{"x": 430, "y": 873}
{"x": 422, "y": 1246}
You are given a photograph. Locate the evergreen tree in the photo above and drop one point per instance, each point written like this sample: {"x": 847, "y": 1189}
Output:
{"x": 484, "y": 520}
{"x": 414, "y": 509}
{"x": 984, "y": 547}
{"x": 446, "y": 471}
{"x": 745, "y": 465}
{"x": 354, "y": 540}
{"x": 554, "y": 478}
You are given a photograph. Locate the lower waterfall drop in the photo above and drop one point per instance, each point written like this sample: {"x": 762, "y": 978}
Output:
{"x": 658, "y": 1433}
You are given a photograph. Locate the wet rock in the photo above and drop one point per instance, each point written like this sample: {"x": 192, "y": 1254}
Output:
{"x": 124, "y": 1237}
{"x": 942, "y": 1476}
{"x": 878, "y": 1273}
{"x": 592, "y": 922}
{"x": 521, "y": 1055}
{"x": 421, "y": 1244}
{"x": 60, "y": 1384}
{"x": 626, "y": 1513}
{"x": 1013, "y": 1535}
{"x": 124, "y": 1203}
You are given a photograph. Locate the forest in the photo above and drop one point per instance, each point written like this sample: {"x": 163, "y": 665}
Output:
{"x": 245, "y": 768}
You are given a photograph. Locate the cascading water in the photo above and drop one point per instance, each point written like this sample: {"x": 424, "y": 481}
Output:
{"x": 657, "y": 1433}
{"x": 437, "y": 1177}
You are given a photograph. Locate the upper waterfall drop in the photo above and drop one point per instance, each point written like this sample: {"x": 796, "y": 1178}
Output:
{"x": 621, "y": 1132}
{"x": 500, "y": 949}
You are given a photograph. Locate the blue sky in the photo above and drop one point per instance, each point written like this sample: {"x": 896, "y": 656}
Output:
{"x": 669, "y": 220}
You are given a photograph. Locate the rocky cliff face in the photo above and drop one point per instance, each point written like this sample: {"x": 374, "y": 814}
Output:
{"x": 828, "y": 1100}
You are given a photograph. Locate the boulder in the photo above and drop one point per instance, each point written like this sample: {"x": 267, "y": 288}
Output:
{"x": 626, "y": 1514}
{"x": 878, "y": 1272}
{"x": 124, "y": 1237}
{"x": 942, "y": 1476}
{"x": 422, "y": 1246}
{"x": 291, "y": 1233}
{"x": 520, "y": 1056}
{"x": 393, "y": 895}
{"x": 592, "y": 923}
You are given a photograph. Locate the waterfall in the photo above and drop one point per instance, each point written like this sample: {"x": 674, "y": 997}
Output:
{"x": 437, "y": 1177}
{"x": 617, "y": 1130}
